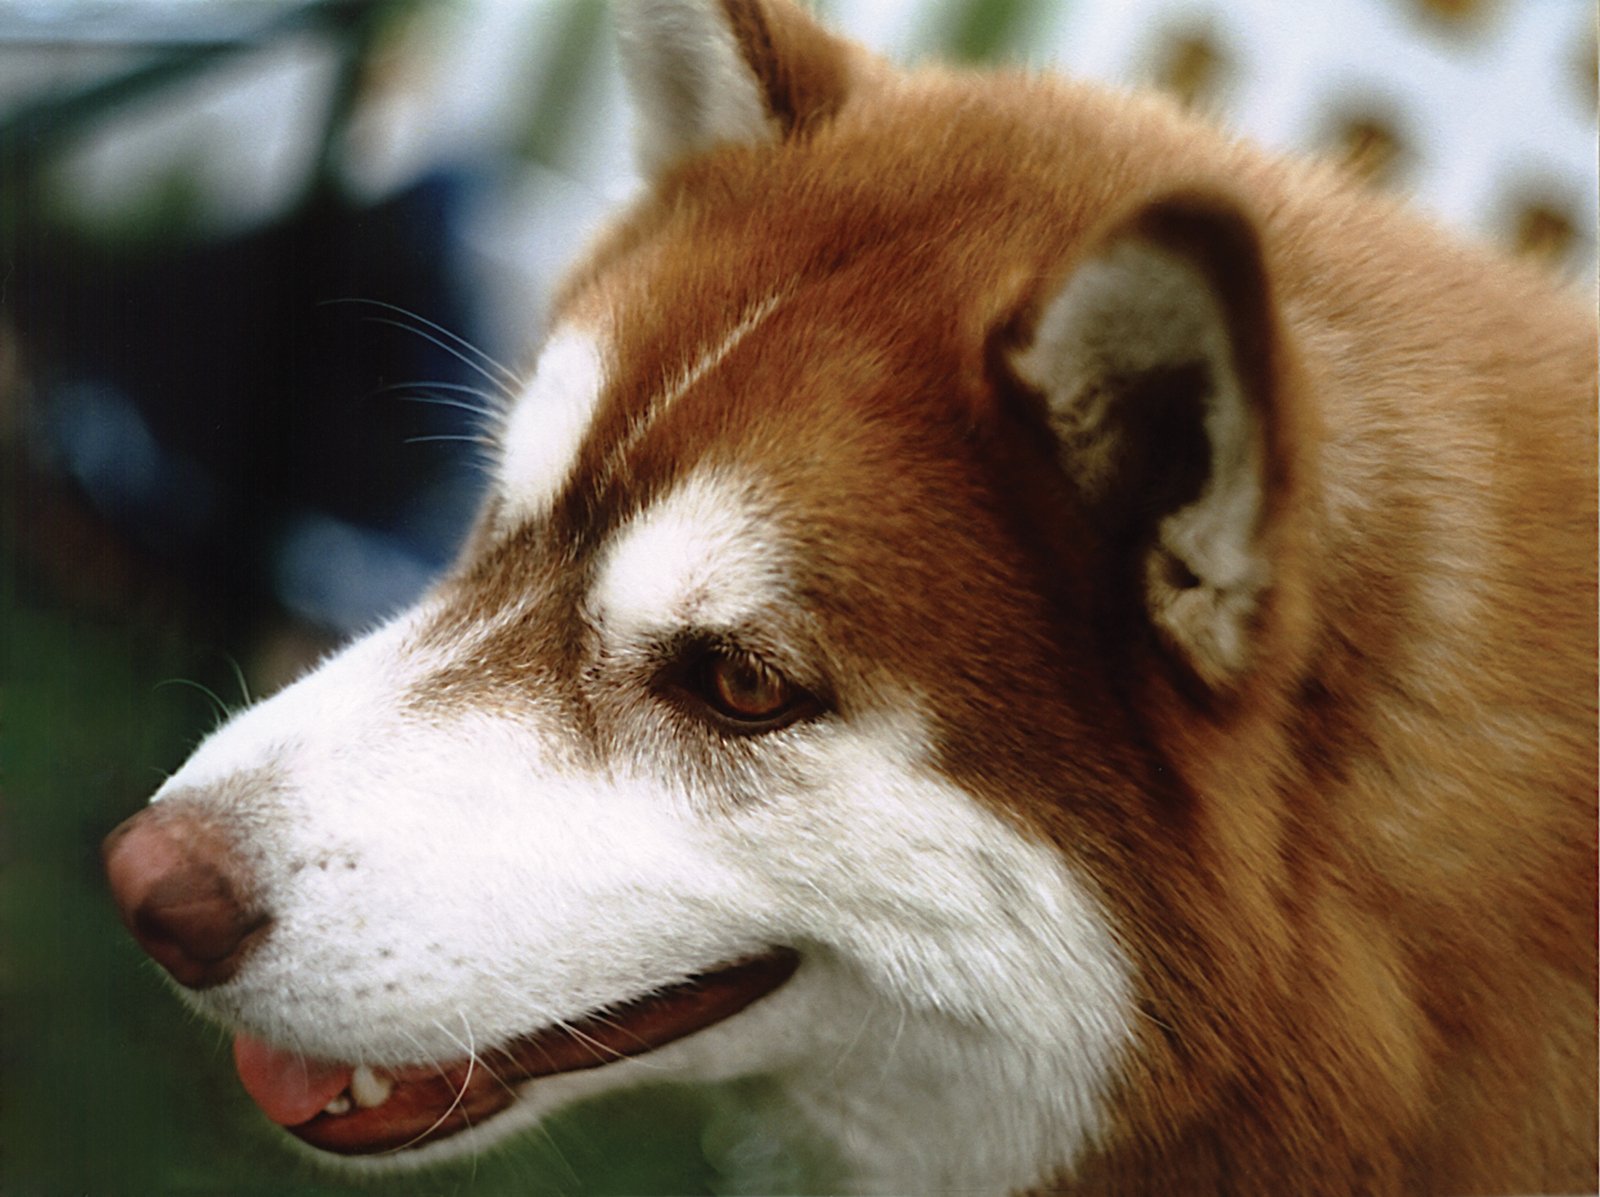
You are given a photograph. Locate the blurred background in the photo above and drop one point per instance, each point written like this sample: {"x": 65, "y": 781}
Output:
{"x": 260, "y": 264}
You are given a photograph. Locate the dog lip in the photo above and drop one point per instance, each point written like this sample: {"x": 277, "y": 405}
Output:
{"x": 432, "y": 1102}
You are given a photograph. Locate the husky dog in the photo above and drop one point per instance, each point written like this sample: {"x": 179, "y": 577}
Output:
{"x": 1067, "y": 643}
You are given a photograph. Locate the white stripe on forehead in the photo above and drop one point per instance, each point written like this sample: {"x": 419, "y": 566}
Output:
{"x": 702, "y": 557}
{"x": 546, "y": 426}
{"x": 707, "y": 361}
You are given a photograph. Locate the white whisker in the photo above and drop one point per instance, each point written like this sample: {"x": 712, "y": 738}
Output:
{"x": 894, "y": 1046}
{"x": 507, "y": 379}
{"x": 450, "y": 349}
{"x": 600, "y": 1050}
{"x": 222, "y": 711}
{"x": 437, "y": 384}
{"x": 461, "y": 1091}
{"x": 469, "y": 438}
{"x": 491, "y": 405}
{"x": 850, "y": 1048}
{"x": 238, "y": 673}
{"x": 441, "y": 401}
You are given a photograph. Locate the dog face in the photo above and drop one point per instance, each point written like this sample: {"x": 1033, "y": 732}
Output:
{"x": 575, "y": 777}
{"x": 710, "y": 747}
{"x": 878, "y": 665}
{"x": 766, "y": 719}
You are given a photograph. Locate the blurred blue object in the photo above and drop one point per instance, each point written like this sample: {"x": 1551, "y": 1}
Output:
{"x": 235, "y": 405}
{"x": 340, "y": 576}
{"x": 106, "y": 447}
{"x": 205, "y": 400}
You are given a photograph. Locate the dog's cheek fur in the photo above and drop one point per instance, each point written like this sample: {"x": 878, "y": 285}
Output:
{"x": 952, "y": 945}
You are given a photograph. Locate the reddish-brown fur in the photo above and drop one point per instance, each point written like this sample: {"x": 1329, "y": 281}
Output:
{"x": 1358, "y": 882}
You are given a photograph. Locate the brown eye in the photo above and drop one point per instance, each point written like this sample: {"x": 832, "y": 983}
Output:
{"x": 744, "y": 690}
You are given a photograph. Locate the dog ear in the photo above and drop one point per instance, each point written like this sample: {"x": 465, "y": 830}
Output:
{"x": 710, "y": 71}
{"x": 1158, "y": 361}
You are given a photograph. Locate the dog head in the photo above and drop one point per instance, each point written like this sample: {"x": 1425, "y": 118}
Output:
{"x": 903, "y": 476}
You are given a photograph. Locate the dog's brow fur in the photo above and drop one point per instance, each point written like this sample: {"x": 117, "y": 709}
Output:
{"x": 542, "y": 433}
{"x": 698, "y": 559}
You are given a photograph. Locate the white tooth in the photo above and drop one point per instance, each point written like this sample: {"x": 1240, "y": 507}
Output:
{"x": 368, "y": 1088}
{"x": 339, "y": 1105}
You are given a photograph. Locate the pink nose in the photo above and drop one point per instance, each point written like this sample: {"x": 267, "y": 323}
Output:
{"x": 183, "y": 892}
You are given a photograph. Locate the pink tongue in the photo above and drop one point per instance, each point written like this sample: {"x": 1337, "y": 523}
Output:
{"x": 290, "y": 1089}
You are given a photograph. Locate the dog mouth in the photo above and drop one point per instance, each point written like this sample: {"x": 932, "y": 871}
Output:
{"x": 355, "y": 1109}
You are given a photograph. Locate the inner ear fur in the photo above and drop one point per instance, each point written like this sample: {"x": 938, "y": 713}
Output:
{"x": 707, "y": 72}
{"x": 1160, "y": 358}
